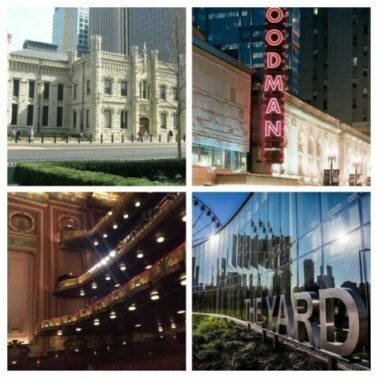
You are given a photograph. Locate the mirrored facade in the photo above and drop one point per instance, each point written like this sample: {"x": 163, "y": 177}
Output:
{"x": 282, "y": 243}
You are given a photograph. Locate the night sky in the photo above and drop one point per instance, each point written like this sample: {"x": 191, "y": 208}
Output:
{"x": 222, "y": 204}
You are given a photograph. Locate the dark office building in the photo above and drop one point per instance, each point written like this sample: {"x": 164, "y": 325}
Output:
{"x": 335, "y": 63}
{"x": 239, "y": 32}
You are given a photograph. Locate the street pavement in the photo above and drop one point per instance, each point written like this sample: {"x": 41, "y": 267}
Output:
{"x": 117, "y": 151}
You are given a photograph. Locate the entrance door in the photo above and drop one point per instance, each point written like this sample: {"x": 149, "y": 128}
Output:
{"x": 144, "y": 125}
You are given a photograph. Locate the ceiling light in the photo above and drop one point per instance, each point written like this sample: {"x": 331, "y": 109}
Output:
{"x": 124, "y": 343}
{"x": 160, "y": 329}
{"x": 160, "y": 239}
{"x": 110, "y": 213}
{"x": 77, "y": 350}
{"x": 96, "y": 322}
{"x": 115, "y": 226}
{"x": 78, "y": 329}
{"x": 113, "y": 254}
{"x": 181, "y": 311}
{"x": 183, "y": 280}
{"x": 140, "y": 255}
{"x": 107, "y": 277}
{"x": 105, "y": 235}
{"x": 122, "y": 267}
{"x": 184, "y": 218}
{"x": 137, "y": 204}
{"x": 108, "y": 347}
{"x": 138, "y": 325}
{"x": 113, "y": 315}
{"x": 148, "y": 266}
{"x": 117, "y": 285}
{"x": 94, "y": 285}
{"x": 95, "y": 242}
{"x": 82, "y": 292}
{"x": 154, "y": 295}
{"x": 173, "y": 325}
{"x": 59, "y": 332}
{"x": 95, "y": 352}
{"x": 132, "y": 307}
{"x": 125, "y": 216}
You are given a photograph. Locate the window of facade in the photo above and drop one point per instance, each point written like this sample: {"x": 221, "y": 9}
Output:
{"x": 46, "y": 91}
{"x": 175, "y": 120}
{"x": 75, "y": 91}
{"x": 60, "y": 92}
{"x": 74, "y": 119}
{"x": 87, "y": 119}
{"x": 124, "y": 88}
{"x": 31, "y": 88}
{"x": 355, "y": 61}
{"x": 144, "y": 89}
{"x": 175, "y": 93}
{"x": 354, "y": 103}
{"x": 59, "y": 116}
{"x": 163, "y": 92}
{"x": 16, "y": 87}
{"x": 354, "y": 83}
{"x": 124, "y": 115}
{"x": 14, "y": 116}
{"x": 30, "y": 115}
{"x": 325, "y": 105}
{"x": 108, "y": 87}
{"x": 107, "y": 119}
{"x": 364, "y": 92}
{"x": 163, "y": 120}
{"x": 88, "y": 87}
{"x": 45, "y": 115}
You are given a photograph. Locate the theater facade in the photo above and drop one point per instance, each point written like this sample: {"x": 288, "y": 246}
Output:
{"x": 295, "y": 265}
{"x": 96, "y": 281}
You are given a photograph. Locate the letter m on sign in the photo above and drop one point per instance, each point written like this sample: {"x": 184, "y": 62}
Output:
{"x": 272, "y": 84}
{"x": 273, "y": 129}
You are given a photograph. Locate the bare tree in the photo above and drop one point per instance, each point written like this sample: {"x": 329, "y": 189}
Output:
{"x": 177, "y": 57}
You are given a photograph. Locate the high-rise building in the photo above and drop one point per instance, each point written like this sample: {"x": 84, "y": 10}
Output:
{"x": 239, "y": 32}
{"x": 335, "y": 63}
{"x": 112, "y": 25}
{"x": 70, "y": 29}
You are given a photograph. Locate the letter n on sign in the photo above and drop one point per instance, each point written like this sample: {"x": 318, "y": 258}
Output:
{"x": 273, "y": 110}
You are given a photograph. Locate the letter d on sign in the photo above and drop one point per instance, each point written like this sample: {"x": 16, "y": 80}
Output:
{"x": 357, "y": 319}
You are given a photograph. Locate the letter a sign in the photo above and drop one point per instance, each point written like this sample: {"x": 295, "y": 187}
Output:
{"x": 273, "y": 114}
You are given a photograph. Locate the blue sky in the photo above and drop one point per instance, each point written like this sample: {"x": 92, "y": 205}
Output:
{"x": 222, "y": 204}
{"x": 33, "y": 23}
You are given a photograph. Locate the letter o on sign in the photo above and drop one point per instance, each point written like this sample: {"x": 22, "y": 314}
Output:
{"x": 274, "y": 37}
{"x": 274, "y": 15}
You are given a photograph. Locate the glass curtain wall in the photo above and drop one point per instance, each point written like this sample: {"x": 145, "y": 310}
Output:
{"x": 281, "y": 243}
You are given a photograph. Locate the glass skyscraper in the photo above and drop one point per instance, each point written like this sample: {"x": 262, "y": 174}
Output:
{"x": 71, "y": 29}
{"x": 282, "y": 243}
{"x": 239, "y": 32}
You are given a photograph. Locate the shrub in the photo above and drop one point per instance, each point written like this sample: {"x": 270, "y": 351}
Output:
{"x": 150, "y": 169}
{"x": 51, "y": 174}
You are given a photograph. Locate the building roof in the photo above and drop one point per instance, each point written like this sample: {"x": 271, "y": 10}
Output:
{"x": 41, "y": 54}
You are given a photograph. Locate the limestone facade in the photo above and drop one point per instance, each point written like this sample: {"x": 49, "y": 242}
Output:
{"x": 101, "y": 93}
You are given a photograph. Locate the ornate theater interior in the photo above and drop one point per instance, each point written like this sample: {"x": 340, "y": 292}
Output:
{"x": 96, "y": 281}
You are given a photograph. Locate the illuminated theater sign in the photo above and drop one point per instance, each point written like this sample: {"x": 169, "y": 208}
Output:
{"x": 310, "y": 318}
{"x": 274, "y": 87}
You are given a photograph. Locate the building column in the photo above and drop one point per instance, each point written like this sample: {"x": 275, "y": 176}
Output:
{"x": 95, "y": 127}
{"x": 134, "y": 106}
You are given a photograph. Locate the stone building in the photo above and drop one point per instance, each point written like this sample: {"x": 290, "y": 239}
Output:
{"x": 227, "y": 109}
{"x": 101, "y": 93}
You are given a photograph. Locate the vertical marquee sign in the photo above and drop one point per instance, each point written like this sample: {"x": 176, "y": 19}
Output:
{"x": 274, "y": 86}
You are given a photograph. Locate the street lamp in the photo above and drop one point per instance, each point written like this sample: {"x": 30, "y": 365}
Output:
{"x": 356, "y": 162}
{"x": 331, "y": 158}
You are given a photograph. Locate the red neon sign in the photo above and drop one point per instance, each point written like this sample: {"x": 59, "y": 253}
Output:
{"x": 274, "y": 86}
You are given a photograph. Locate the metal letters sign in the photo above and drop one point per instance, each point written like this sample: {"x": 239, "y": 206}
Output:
{"x": 274, "y": 86}
{"x": 297, "y": 318}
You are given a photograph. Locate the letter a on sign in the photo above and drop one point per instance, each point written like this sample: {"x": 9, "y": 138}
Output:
{"x": 273, "y": 106}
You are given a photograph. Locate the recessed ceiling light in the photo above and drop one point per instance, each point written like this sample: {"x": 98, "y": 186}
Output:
{"x": 137, "y": 204}
{"x": 78, "y": 329}
{"x": 138, "y": 325}
{"x": 184, "y": 218}
{"x": 82, "y": 292}
{"x": 160, "y": 329}
{"x": 95, "y": 242}
{"x": 59, "y": 332}
{"x": 113, "y": 315}
{"x": 183, "y": 280}
{"x": 117, "y": 285}
{"x": 140, "y": 255}
{"x": 148, "y": 266}
{"x": 124, "y": 342}
{"x": 94, "y": 285}
{"x": 105, "y": 235}
{"x": 173, "y": 325}
{"x": 115, "y": 226}
{"x": 181, "y": 311}
{"x": 110, "y": 212}
{"x": 132, "y": 307}
{"x": 125, "y": 216}
{"x": 107, "y": 277}
{"x": 96, "y": 322}
{"x": 113, "y": 254}
{"x": 160, "y": 239}
{"x": 122, "y": 267}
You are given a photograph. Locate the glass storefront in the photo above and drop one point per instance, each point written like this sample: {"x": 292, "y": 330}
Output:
{"x": 206, "y": 156}
{"x": 282, "y": 243}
